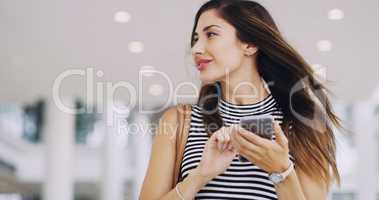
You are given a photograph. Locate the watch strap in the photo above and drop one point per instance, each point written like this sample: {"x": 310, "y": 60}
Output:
{"x": 288, "y": 170}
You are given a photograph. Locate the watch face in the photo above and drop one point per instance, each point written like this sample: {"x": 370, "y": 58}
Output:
{"x": 276, "y": 178}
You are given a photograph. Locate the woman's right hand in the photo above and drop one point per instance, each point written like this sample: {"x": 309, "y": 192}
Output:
{"x": 218, "y": 154}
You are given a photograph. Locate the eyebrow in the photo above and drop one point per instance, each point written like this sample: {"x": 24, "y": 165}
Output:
{"x": 208, "y": 27}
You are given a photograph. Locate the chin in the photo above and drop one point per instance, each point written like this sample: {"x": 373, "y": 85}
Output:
{"x": 208, "y": 78}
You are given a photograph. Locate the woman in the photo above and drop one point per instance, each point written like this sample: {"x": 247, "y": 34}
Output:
{"x": 247, "y": 69}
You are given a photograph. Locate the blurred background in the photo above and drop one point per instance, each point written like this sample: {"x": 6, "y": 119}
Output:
{"x": 83, "y": 82}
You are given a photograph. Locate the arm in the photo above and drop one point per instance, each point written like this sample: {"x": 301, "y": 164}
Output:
{"x": 300, "y": 186}
{"x": 159, "y": 176}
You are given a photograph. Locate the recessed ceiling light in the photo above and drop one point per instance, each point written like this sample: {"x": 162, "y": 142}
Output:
{"x": 100, "y": 73}
{"x": 324, "y": 45}
{"x": 335, "y": 14}
{"x": 135, "y": 47}
{"x": 121, "y": 17}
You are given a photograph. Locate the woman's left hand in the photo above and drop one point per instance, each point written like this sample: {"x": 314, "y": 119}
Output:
{"x": 269, "y": 155}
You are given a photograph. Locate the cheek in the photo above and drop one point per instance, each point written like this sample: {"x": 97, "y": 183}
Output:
{"x": 225, "y": 61}
{"x": 227, "y": 57}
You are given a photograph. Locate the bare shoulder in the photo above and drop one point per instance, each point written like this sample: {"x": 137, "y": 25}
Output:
{"x": 168, "y": 123}
{"x": 170, "y": 115}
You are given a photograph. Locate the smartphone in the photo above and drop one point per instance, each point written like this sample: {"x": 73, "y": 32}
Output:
{"x": 261, "y": 125}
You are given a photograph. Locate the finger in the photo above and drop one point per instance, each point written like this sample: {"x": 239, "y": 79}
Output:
{"x": 246, "y": 149}
{"x": 243, "y": 145}
{"x": 219, "y": 146}
{"x": 226, "y": 144}
{"x": 230, "y": 146}
{"x": 217, "y": 139}
{"x": 234, "y": 141}
{"x": 233, "y": 146}
{"x": 225, "y": 140}
{"x": 226, "y": 137}
{"x": 212, "y": 141}
{"x": 234, "y": 129}
{"x": 281, "y": 138}
{"x": 252, "y": 137}
{"x": 213, "y": 138}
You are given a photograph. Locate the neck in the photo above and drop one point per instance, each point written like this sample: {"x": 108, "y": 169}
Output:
{"x": 243, "y": 86}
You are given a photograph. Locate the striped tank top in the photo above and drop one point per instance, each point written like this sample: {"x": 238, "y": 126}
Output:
{"x": 242, "y": 179}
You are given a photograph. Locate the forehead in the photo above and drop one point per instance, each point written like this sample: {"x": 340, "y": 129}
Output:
{"x": 211, "y": 17}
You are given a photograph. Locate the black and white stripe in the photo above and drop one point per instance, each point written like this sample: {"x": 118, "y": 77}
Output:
{"x": 242, "y": 179}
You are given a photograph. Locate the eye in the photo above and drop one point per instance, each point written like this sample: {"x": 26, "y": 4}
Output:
{"x": 193, "y": 41}
{"x": 210, "y": 34}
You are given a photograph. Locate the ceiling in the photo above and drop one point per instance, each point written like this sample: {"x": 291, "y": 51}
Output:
{"x": 41, "y": 39}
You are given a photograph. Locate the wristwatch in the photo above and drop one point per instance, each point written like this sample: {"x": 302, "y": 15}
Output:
{"x": 276, "y": 178}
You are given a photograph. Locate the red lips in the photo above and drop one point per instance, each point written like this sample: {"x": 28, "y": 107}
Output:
{"x": 202, "y": 63}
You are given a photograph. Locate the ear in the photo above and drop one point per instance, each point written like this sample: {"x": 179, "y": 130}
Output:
{"x": 249, "y": 49}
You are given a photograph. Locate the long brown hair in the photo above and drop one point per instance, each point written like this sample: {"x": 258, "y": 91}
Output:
{"x": 308, "y": 117}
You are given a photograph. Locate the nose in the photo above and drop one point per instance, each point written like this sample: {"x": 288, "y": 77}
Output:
{"x": 198, "y": 48}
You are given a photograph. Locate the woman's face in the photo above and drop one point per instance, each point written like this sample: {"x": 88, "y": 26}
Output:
{"x": 216, "y": 49}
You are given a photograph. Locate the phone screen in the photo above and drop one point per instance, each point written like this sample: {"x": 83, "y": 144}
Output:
{"x": 260, "y": 125}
